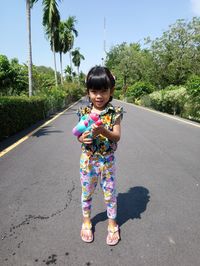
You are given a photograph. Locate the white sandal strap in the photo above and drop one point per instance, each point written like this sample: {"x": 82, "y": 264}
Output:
{"x": 86, "y": 226}
{"x": 113, "y": 229}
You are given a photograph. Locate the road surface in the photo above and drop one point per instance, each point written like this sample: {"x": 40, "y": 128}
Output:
{"x": 158, "y": 181}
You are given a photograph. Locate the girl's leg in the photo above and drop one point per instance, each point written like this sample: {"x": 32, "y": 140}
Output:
{"x": 109, "y": 189}
{"x": 89, "y": 181}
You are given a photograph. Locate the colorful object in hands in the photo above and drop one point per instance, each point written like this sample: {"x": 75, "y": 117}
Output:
{"x": 85, "y": 124}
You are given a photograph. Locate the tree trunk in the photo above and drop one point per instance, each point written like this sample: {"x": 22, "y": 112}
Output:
{"x": 70, "y": 61}
{"x": 61, "y": 76}
{"x": 28, "y": 14}
{"x": 78, "y": 74}
{"x": 55, "y": 68}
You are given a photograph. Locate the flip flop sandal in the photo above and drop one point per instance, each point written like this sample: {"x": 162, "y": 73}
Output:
{"x": 111, "y": 232}
{"x": 88, "y": 236}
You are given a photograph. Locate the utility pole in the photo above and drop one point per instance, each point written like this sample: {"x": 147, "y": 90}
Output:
{"x": 104, "y": 42}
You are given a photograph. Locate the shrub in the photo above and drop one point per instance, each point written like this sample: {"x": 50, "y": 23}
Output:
{"x": 174, "y": 100}
{"x": 117, "y": 93}
{"x": 193, "y": 87}
{"x": 17, "y": 113}
{"x": 170, "y": 101}
{"x": 74, "y": 90}
{"x": 138, "y": 90}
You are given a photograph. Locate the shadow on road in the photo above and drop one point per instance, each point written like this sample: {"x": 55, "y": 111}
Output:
{"x": 130, "y": 204}
{"x": 44, "y": 131}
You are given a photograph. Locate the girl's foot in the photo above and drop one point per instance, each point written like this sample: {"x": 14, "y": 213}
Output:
{"x": 113, "y": 236}
{"x": 86, "y": 232}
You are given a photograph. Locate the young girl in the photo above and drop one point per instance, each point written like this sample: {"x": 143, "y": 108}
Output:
{"x": 97, "y": 158}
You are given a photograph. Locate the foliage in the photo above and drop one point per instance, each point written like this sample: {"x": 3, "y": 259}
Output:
{"x": 169, "y": 59}
{"x": 193, "y": 87}
{"x": 6, "y": 74}
{"x": 74, "y": 90}
{"x": 17, "y": 113}
{"x": 169, "y": 101}
{"x": 128, "y": 63}
{"x": 176, "y": 53}
{"x": 13, "y": 76}
{"x": 138, "y": 90}
{"x": 43, "y": 79}
{"x": 77, "y": 57}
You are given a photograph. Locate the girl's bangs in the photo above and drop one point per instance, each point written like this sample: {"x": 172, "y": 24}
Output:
{"x": 98, "y": 82}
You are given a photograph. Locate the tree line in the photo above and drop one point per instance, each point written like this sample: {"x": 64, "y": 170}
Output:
{"x": 168, "y": 60}
{"x": 164, "y": 73}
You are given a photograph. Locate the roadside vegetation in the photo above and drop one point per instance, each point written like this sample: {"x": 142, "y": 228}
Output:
{"x": 30, "y": 93}
{"x": 163, "y": 74}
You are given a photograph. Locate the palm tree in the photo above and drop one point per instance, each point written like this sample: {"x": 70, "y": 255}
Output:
{"x": 70, "y": 25}
{"x": 64, "y": 43}
{"x": 68, "y": 73}
{"x": 51, "y": 20}
{"x": 60, "y": 46}
{"x": 29, "y": 5}
{"x": 77, "y": 57}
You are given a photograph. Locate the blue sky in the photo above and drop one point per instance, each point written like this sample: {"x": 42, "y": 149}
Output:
{"x": 126, "y": 21}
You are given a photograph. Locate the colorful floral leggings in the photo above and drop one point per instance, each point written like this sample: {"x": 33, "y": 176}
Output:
{"x": 93, "y": 168}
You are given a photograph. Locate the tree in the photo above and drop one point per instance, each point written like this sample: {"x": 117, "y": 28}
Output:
{"x": 70, "y": 25}
{"x": 61, "y": 47}
{"x": 13, "y": 77}
{"x": 66, "y": 38}
{"x": 170, "y": 59}
{"x": 176, "y": 54}
{"x": 127, "y": 64}
{"x": 51, "y": 20}
{"x": 5, "y": 75}
{"x": 68, "y": 73}
{"x": 77, "y": 57}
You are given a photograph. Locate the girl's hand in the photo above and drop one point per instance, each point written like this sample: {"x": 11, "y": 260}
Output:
{"x": 97, "y": 130}
{"x": 84, "y": 138}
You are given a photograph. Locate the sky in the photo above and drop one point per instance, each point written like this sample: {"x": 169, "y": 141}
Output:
{"x": 125, "y": 21}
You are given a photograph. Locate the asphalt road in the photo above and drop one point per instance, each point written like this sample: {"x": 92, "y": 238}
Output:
{"x": 158, "y": 173}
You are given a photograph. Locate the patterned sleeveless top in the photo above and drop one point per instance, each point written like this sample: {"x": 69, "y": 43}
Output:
{"x": 102, "y": 145}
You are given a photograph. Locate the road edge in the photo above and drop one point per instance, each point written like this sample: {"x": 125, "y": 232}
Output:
{"x": 163, "y": 114}
{"x": 27, "y": 136}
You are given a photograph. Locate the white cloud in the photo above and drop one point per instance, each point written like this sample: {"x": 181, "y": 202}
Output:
{"x": 195, "y": 7}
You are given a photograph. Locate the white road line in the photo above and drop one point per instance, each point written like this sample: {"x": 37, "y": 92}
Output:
{"x": 163, "y": 114}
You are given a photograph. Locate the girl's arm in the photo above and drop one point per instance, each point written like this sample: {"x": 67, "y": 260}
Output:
{"x": 113, "y": 135}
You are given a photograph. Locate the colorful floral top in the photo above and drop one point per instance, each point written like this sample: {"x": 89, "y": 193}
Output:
{"x": 102, "y": 145}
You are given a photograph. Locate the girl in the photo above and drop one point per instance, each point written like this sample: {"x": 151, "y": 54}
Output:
{"x": 97, "y": 159}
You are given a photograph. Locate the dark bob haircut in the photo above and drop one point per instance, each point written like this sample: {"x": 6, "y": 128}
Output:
{"x": 99, "y": 78}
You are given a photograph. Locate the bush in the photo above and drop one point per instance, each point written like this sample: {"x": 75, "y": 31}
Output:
{"x": 74, "y": 90}
{"x": 191, "y": 111}
{"x": 169, "y": 101}
{"x": 174, "y": 101}
{"x": 17, "y": 113}
{"x": 193, "y": 87}
{"x": 138, "y": 90}
{"x": 117, "y": 94}
{"x": 59, "y": 97}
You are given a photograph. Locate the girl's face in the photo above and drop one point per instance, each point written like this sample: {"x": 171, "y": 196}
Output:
{"x": 100, "y": 98}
